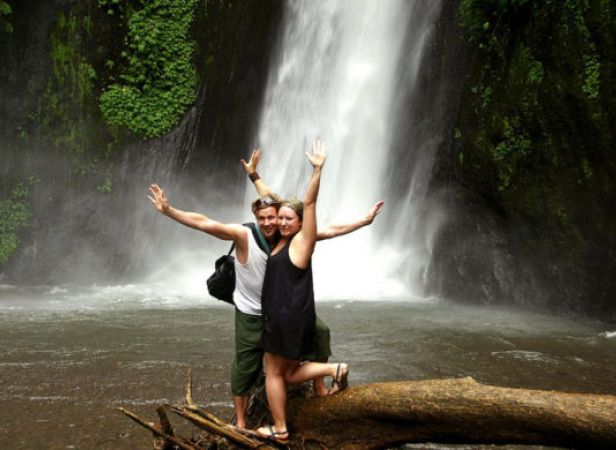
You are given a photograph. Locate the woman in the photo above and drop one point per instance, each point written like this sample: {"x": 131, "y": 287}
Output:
{"x": 288, "y": 305}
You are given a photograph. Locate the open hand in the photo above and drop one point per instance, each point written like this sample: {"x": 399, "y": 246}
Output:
{"x": 317, "y": 158}
{"x": 375, "y": 211}
{"x": 159, "y": 198}
{"x": 251, "y": 165}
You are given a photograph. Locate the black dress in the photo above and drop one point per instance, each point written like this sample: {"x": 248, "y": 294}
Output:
{"x": 287, "y": 302}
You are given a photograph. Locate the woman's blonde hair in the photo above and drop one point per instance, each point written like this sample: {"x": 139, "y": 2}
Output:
{"x": 296, "y": 205}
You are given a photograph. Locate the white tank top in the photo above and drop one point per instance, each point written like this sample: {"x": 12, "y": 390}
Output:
{"x": 249, "y": 278}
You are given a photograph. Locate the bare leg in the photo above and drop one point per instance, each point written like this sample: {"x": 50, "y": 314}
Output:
{"x": 278, "y": 372}
{"x": 320, "y": 388}
{"x": 275, "y": 368}
{"x": 240, "y": 402}
{"x": 311, "y": 371}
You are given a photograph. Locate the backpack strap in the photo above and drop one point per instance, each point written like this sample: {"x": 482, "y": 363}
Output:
{"x": 231, "y": 249}
{"x": 256, "y": 232}
{"x": 265, "y": 245}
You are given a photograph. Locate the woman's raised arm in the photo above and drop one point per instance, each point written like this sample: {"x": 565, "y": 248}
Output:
{"x": 303, "y": 243}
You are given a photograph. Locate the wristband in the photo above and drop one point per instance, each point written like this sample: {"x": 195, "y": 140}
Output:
{"x": 254, "y": 176}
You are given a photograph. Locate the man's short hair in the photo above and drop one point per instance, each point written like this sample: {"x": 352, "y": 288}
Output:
{"x": 265, "y": 202}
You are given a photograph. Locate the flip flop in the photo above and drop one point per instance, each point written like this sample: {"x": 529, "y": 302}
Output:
{"x": 341, "y": 380}
{"x": 272, "y": 435}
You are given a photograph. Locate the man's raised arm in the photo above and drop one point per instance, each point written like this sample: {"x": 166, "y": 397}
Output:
{"x": 190, "y": 219}
{"x": 251, "y": 169}
{"x": 335, "y": 230}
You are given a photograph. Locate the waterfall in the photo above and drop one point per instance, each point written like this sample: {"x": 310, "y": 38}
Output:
{"x": 336, "y": 77}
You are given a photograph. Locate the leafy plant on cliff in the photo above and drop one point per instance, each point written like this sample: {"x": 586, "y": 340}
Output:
{"x": 15, "y": 213}
{"x": 5, "y": 10}
{"x": 535, "y": 127}
{"x": 159, "y": 80}
{"x": 506, "y": 37}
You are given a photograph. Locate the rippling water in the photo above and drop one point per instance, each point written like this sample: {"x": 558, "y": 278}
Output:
{"x": 71, "y": 355}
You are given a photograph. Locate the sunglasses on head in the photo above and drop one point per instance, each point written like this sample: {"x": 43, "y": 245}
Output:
{"x": 266, "y": 201}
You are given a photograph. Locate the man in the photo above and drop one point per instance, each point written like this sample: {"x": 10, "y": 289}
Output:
{"x": 250, "y": 264}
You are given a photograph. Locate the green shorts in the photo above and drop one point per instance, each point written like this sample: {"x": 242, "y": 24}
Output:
{"x": 248, "y": 363}
{"x": 322, "y": 350}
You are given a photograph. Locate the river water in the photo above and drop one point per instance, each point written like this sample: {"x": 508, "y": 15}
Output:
{"x": 70, "y": 356}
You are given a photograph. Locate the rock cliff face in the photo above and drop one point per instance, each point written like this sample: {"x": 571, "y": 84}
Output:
{"x": 518, "y": 94}
{"x": 529, "y": 167}
{"x": 87, "y": 182}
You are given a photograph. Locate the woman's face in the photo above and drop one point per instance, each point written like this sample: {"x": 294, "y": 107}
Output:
{"x": 288, "y": 222}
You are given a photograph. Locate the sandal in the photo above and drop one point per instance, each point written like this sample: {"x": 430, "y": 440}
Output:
{"x": 272, "y": 436}
{"x": 341, "y": 380}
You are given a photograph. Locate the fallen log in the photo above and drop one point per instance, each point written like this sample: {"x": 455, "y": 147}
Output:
{"x": 450, "y": 411}
{"x": 455, "y": 411}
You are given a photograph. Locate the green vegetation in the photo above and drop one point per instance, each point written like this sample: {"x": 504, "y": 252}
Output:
{"x": 15, "y": 212}
{"x": 5, "y": 10}
{"x": 111, "y": 6}
{"x": 525, "y": 54}
{"x": 519, "y": 45}
{"x": 72, "y": 73}
{"x": 592, "y": 71}
{"x": 66, "y": 101}
{"x": 535, "y": 127}
{"x": 107, "y": 185}
{"x": 159, "y": 80}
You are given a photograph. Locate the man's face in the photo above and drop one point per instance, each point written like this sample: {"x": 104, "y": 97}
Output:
{"x": 267, "y": 219}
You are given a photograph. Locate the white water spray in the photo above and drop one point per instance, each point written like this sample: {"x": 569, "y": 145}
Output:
{"x": 336, "y": 80}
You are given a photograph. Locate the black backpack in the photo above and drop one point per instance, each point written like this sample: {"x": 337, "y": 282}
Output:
{"x": 221, "y": 283}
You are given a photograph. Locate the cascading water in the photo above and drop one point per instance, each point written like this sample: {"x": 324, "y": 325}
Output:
{"x": 337, "y": 76}
{"x": 337, "y": 79}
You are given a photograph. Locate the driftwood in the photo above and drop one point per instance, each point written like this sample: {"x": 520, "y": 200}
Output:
{"x": 219, "y": 435}
{"x": 384, "y": 415}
